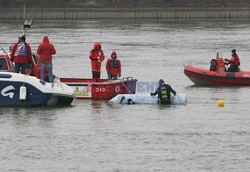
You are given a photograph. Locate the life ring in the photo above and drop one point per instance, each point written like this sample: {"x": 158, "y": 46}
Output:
{"x": 117, "y": 89}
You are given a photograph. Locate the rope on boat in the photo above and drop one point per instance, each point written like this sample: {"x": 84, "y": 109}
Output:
{"x": 129, "y": 92}
{"x": 63, "y": 68}
{"x": 5, "y": 51}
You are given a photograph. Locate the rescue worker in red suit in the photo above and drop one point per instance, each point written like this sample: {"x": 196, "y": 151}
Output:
{"x": 234, "y": 62}
{"x": 21, "y": 55}
{"x": 96, "y": 56}
{"x": 113, "y": 67}
{"x": 46, "y": 50}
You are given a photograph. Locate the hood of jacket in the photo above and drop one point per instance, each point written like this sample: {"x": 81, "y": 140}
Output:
{"x": 97, "y": 44}
{"x": 45, "y": 39}
{"x": 113, "y": 53}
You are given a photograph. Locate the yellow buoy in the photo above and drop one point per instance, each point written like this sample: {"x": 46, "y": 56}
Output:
{"x": 220, "y": 103}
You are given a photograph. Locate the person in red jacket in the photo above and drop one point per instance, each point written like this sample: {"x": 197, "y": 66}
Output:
{"x": 96, "y": 56}
{"x": 46, "y": 50}
{"x": 113, "y": 66}
{"x": 21, "y": 55}
{"x": 234, "y": 62}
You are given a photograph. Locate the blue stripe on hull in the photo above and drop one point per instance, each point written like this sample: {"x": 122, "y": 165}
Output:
{"x": 10, "y": 96}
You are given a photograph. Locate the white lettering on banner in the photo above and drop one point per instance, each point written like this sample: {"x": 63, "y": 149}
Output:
{"x": 7, "y": 89}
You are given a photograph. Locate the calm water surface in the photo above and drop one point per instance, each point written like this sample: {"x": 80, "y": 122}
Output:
{"x": 98, "y": 136}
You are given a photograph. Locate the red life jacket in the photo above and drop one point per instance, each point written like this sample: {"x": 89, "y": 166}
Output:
{"x": 235, "y": 60}
{"x": 113, "y": 66}
{"x": 21, "y": 50}
{"x": 21, "y": 53}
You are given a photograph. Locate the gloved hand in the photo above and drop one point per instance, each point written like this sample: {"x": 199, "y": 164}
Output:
{"x": 151, "y": 94}
{"x": 226, "y": 62}
{"x": 119, "y": 75}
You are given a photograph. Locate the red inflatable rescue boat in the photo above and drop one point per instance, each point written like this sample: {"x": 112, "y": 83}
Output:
{"x": 217, "y": 76}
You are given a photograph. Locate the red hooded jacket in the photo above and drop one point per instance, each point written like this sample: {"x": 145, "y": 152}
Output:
{"x": 235, "y": 60}
{"x": 96, "y": 56}
{"x": 21, "y": 53}
{"x": 46, "y": 50}
{"x": 113, "y": 66}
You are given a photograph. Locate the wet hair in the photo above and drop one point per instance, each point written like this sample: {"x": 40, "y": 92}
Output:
{"x": 130, "y": 101}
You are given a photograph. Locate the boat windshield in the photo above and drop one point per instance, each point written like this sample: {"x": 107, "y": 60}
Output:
{"x": 3, "y": 64}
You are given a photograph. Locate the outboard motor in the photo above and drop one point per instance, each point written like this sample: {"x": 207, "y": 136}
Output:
{"x": 220, "y": 65}
{"x": 217, "y": 64}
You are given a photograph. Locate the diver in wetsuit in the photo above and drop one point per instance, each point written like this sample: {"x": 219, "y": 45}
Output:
{"x": 163, "y": 92}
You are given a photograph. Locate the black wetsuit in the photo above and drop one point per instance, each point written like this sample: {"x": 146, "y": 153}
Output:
{"x": 164, "y": 99}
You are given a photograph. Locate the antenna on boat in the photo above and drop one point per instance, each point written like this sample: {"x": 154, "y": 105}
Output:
{"x": 217, "y": 55}
{"x": 26, "y": 22}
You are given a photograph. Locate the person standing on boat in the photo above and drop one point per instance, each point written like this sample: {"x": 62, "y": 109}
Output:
{"x": 46, "y": 50}
{"x": 96, "y": 56}
{"x": 163, "y": 92}
{"x": 113, "y": 67}
{"x": 234, "y": 62}
{"x": 21, "y": 55}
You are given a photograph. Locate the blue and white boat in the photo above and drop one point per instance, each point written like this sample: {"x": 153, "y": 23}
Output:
{"x": 24, "y": 90}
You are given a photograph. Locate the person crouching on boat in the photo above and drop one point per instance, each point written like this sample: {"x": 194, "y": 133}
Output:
{"x": 21, "y": 55}
{"x": 96, "y": 56}
{"x": 234, "y": 62}
{"x": 46, "y": 50}
{"x": 113, "y": 67}
{"x": 163, "y": 92}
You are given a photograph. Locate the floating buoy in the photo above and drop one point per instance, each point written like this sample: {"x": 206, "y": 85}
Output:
{"x": 220, "y": 103}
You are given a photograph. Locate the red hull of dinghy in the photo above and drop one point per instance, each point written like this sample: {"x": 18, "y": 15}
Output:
{"x": 206, "y": 77}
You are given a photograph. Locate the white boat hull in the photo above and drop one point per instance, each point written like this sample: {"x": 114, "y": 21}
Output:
{"x": 179, "y": 98}
{"x": 24, "y": 90}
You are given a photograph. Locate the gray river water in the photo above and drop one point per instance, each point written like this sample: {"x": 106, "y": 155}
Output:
{"x": 98, "y": 136}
